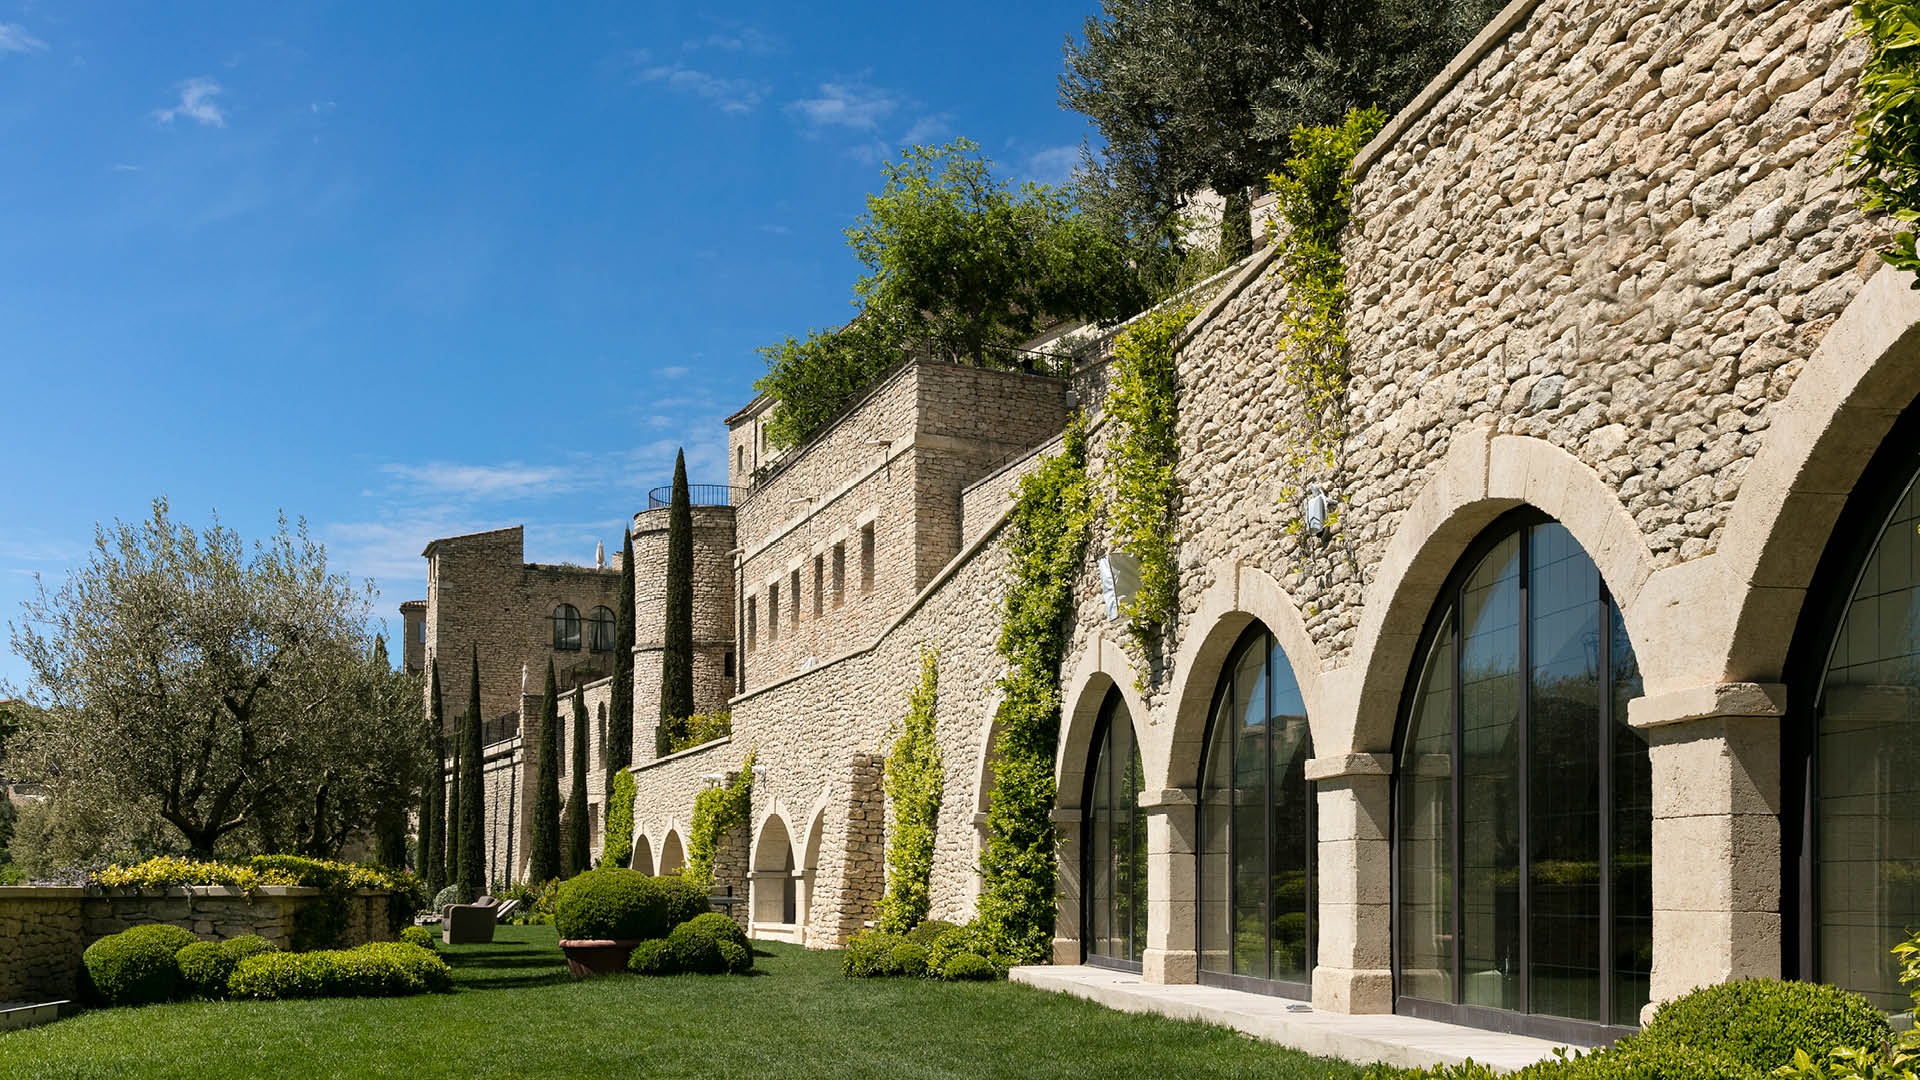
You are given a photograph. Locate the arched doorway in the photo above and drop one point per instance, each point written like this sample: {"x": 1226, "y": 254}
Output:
{"x": 774, "y": 887}
{"x": 673, "y": 857}
{"x": 1255, "y": 888}
{"x": 642, "y": 856}
{"x": 1852, "y": 822}
{"x": 1113, "y": 848}
{"x": 1523, "y": 802}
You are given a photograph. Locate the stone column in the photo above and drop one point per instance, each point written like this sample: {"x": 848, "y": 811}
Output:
{"x": 1716, "y": 833}
{"x": 1067, "y": 899}
{"x": 1170, "y": 955}
{"x": 1353, "y": 969}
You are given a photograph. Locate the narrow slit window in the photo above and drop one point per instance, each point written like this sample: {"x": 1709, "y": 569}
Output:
{"x": 839, "y": 574}
{"x": 866, "y": 558}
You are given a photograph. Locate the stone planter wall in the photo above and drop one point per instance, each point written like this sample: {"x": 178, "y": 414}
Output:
{"x": 44, "y": 929}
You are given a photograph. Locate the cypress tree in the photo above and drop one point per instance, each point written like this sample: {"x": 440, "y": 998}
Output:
{"x": 433, "y": 801}
{"x": 543, "y": 858}
{"x": 676, "y": 659}
{"x": 619, "y": 748}
{"x": 452, "y": 817}
{"x": 390, "y": 828}
{"x": 579, "y": 845}
{"x": 473, "y": 810}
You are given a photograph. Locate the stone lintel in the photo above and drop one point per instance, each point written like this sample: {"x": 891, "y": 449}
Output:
{"x": 1341, "y": 766}
{"x": 1710, "y": 702}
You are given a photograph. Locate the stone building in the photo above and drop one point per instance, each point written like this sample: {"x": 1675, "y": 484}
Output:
{"x": 1599, "y": 686}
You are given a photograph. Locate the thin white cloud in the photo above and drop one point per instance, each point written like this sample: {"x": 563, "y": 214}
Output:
{"x": 1053, "y": 165}
{"x": 852, "y": 105}
{"x": 121, "y": 166}
{"x": 196, "y": 103}
{"x": 675, "y": 371}
{"x": 510, "y": 480}
{"x": 15, "y": 39}
{"x": 747, "y": 39}
{"x": 735, "y": 96}
{"x": 927, "y": 129}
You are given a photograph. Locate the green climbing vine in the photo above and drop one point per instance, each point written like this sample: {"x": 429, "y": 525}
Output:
{"x": 916, "y": 779}
{"x": 1313, "y": 196}
{"x": 1046, "y": 543}
{"x": 617, "y": 846}
{"x": 1885, "y": 154}
{"x": 716, "y": 810}
{"x": 1142, "y": 489}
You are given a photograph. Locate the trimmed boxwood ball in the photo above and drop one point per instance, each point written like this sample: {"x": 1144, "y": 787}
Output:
{"x": 967, "y": 967}
{"x": 910, "y": 959}
{"x": 207, "y": 966}
{"x": 1759, "y": 1023}
{"x": 381, "y": 969}
{"x": 624, "y": 905}
{"x": 137, "y": 966}
{"x": 418, "y": 935}
{"x": 870, "y": 955}
{"x": 652, "y": 958}
{"x": 710, "y": 944}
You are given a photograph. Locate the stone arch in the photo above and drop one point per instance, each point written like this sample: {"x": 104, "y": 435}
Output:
{"x": 1482, "y": 477}
{"x": 810, "y": 856}
{"x": 673, "y": 852}
{"x": 772, "y": 884}
{"x": 1864, "y": 374}
{"x": 1103, "y": 665}
{"x": 642, "y": 859}
{"x": 1239, "y": 596}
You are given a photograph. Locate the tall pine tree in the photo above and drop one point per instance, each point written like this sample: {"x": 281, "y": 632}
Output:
{"x": 473, "y": 809}
{"x": 433, "y": 800}
{"x": 579, "y": 844}
{"x": 676, "y": 659}
{"x": 543, "y": 858}
{"x": 619, "y": 748}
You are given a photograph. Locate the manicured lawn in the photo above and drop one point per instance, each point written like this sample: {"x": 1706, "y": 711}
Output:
{"x": 515, "y": 1013}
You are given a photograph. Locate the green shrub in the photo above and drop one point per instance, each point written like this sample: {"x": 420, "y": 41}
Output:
{"x": 910, "y": 959}
{"x": 455, "y": 893}
{"x": 1468, "y": 1070}
{"x": 204, "y": 969}
{"x": 137, "y": 966}
{"x": 1633, "y": 1059}
{"x": 381, "y": 969}
{"x": 1759, "y": 1023}
{"x": 916, "y": 781}
{"x": 869, "y": 955}
{"x": 968, "y": 967}
{"x": 929, "y": 931}
{"x": 418, "y": 935}
{"x": 652, "y": 958}
{"x": 699, "y": 946}
{"x": 617, "y": 904}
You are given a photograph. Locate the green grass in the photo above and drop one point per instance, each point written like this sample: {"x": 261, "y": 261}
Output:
{"x": 515, "y": 1012}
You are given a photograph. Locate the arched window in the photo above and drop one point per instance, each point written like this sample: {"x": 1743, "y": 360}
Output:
{"x": 1523, "y": 804}
{"x": 600, "y": 629}
{"x": 566, "y": 628}
{"x": 1114, "y": 843}
{"x": 1256, "y": 893}
{"x": 1853, "y": 816}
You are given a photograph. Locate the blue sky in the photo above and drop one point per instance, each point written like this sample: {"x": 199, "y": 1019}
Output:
{"x": 413, "y": 270}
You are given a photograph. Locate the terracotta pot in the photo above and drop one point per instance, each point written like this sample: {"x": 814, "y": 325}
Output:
{"x": 588, "y": 957}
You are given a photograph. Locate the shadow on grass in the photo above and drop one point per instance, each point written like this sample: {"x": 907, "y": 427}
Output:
{"x": 514, "y": 982}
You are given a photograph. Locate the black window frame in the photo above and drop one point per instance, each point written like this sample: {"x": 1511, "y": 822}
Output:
{"x": 566, "y": 628}
{"x": 601, "y": 629}
{"x": 1111, "y": 706}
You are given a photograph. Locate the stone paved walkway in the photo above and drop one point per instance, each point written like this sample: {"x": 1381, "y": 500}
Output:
{"x": 1397, "y": 1040}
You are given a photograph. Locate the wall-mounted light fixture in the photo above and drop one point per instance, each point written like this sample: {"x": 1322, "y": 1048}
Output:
{"x": 1314, "y": 510}
{"x": 1119, "y": 581}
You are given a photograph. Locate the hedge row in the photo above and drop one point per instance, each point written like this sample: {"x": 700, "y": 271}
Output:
{"x": 161, "y": 962}
{"x": 934, "y": 949}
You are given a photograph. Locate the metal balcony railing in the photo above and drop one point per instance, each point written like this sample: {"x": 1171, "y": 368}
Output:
{"x": 661, "y": 498}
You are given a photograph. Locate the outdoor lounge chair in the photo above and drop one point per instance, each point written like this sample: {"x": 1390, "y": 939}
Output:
{"x": 469, "y": 924}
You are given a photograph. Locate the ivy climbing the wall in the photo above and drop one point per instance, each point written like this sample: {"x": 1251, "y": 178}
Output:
{"x": 716, "y": 810}
{"x": 916, "y": 779}
{"x": 1313, "y": 198}
{"x": 1885, "y": 154}
{"x": 1141, "y": 487}
{"x": 1046, "y": 544}
{"x": 617, "y": 846}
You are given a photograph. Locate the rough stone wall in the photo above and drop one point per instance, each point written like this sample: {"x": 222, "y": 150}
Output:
{"x": 505, "y": 777}
{"x": 1621, "y": 232}
{"x": 43, "y": 930}
{"x": 985, "y": 503}
{"x": 714, "y": 646}
{"x": 481, "y": 594}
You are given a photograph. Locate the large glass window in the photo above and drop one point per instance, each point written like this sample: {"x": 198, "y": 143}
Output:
{"x": 1114, "y": 845}
{"x": 601, "y": 625}
{"x": 1863, "y": 896}
{"x": 1523, "y": 805}
{"x": 1257, "y": 915}
{"x": 566, "y": 628}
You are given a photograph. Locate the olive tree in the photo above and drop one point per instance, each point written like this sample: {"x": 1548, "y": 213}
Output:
{"x": 229, "y": 691}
